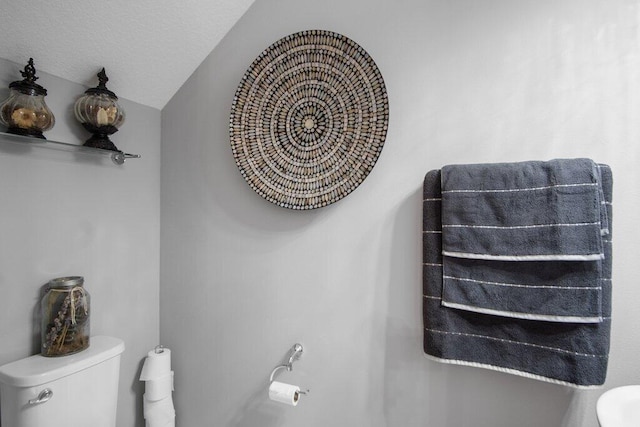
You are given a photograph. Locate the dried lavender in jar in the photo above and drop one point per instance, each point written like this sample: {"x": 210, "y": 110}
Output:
{"x": 65, "y": 317}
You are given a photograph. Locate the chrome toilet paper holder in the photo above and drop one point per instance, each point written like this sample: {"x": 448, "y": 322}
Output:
{"x": 294, "y": 354}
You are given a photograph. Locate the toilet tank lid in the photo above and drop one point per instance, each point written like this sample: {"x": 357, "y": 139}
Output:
{"x": 37, "y": 370}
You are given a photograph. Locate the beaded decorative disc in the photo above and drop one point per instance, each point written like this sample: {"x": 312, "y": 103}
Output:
{"x": 309, "y": 119}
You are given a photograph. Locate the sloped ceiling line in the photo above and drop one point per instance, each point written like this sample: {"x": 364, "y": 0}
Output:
{"x": 148, "y": 47}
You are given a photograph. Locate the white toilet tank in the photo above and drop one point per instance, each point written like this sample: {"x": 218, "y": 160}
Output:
{"x": 78, "y": 390}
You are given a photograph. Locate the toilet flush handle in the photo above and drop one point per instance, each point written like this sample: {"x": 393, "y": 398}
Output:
{"x": 44, "y": 395}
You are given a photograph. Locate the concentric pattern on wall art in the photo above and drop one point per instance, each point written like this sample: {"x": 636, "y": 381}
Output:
{"x": 309, "y": 119}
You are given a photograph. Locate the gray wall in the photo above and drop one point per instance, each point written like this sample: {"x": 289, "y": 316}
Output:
{"x": 468, "y": 81}
{"x": 67, "y": 214}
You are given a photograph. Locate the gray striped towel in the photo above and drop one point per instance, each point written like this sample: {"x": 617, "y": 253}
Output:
{"x": 568, "y": 353}
{"x": 524, "y": 239}
{"x": 523, "y": 211}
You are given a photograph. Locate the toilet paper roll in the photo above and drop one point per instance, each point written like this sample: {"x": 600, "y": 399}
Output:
{"x": 159, "y": 388}
{"x": 159, "y": 413}
{"x": 156, "y": 365}
{"x": 284, "y": 393}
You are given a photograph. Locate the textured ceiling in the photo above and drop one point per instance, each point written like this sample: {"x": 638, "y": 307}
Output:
{"x": 148, "y": 47}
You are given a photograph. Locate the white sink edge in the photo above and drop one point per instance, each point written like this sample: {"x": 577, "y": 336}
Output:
{"x": 619, "y": 407}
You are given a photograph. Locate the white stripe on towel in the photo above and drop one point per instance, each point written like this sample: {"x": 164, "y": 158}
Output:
{"x": 513, "y": 190}
{"x": 560, "y": 350}
{"x": 592, "y": 257}
{"x": 519, "y": 227}
{"x": 510, "y": 371}
{"x": 527, "y": 316}
{"x": 518, "y": 285}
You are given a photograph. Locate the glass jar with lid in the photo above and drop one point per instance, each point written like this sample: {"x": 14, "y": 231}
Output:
{"x": 25, "y": 112}
{"x": 100, "y": 113}
{"x": 65, "y": 317}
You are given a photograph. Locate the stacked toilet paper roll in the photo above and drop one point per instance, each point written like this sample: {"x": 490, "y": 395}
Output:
{"x": 158, "y": 377}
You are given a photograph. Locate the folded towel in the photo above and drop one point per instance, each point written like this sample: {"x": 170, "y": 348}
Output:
{"x": 524, "y": 239}
{"x": 573, "y": 354}
{"x": 558, "y": 291}
{"x": 522, "y": 211}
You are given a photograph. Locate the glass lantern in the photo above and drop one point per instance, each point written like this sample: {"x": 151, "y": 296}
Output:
{"x": 25, "y": 112}
{"x": 99, "y": 112}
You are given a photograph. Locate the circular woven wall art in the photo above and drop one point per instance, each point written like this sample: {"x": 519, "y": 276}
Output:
{"x": 309, "y": 119}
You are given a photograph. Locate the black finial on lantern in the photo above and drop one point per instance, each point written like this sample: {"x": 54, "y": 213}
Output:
{"x": 29, "y": 72}
{"x": 102, "y": 86}
{"x": 102, "y": 76}
{"x": 28, "y": 86}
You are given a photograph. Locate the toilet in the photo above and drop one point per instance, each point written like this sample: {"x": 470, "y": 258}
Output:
{"x": 76, "y": 390}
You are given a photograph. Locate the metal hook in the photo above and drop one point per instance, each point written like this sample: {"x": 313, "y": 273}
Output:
{"x": 294, "y": 354}
{"x": 159, "y": 349}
